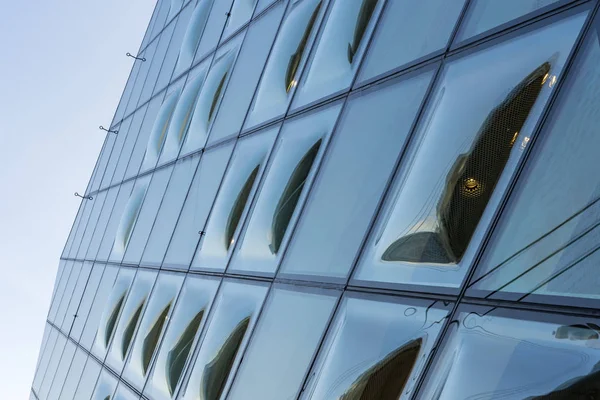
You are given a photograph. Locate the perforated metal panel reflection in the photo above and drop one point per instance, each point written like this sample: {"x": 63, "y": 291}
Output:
{"x": 471, "y": 180}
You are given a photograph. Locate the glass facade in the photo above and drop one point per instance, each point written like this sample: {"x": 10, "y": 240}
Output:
{"x": 341, "y": 199}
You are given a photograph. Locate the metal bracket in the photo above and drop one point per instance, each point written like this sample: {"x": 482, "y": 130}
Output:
{"x": 84, "y": 197}
{"x": 142, "y": 59}
{"x": 108, "y": 130}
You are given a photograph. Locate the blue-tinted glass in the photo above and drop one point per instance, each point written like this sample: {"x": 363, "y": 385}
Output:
{"x": 546, "y": 241}
{"x": 470, "y": 133}
{"x": 375, "y": 348}
{"x": 489, "y": 354}
{"x": 354, "y": 173}
{"x": 408, "y": 31}
{"x": 483, "y": 15}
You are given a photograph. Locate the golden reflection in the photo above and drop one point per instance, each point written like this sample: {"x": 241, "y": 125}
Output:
{"x": 471, "y": 180}
{"x": 386, "y": 379}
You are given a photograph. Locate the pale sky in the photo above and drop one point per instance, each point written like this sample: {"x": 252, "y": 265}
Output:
{"x": 62, "y": 70}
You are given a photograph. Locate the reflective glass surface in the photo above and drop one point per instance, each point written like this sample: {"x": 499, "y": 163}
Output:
{"x": 71, "y": 312}
{"x": 210, "y": 96}
{"x": 234, "y": 198}
{"x": 87, "y": 299}
{"x": 112, "y": 311}
{"x": 491, "y": 353}
{"x": 185, "y": 326}
{"x": 372, "y": 131}
{"x": 160, "y": 129}
{"x": 131, "y": 314}
{"x": 129, "y": 217}
{"x": 104, "y": 217}
{"x": 52, "y": 367}
{"x": 290, "y": 328}
{"x": 166, "y": 218}
{"x": 125, "y": 129}
{"x": 182, "y": 114}
{"x": 167, "y": 69}
{"x": 408, "y": 31}
{"x": 288, "y": 176}
{"x": 87, "y": 383}
{"x": 287, "y": 58}
{"x": 196, "y": 208}
{"x": 130, "y": 139}
{"x": 61, "y": 371}
{"x": 214, "y": 28}
{"x": 549, "y": 246}
{"x": 246, "y": 74}
{"x": 152, "y": 326}
{"x": 142, "y": 139}
{"x": 483, "y": 15}
{"x": 74, "y": 375}
{"x": 147, "y": 214}
{"x": 231, "y": 321}
{"x": 193, "y": 34}
{"x": 338, "y": 49}
{"x": 461, "y": 148}
{"x": 241, "y": 11}
{"x": 113, "y": 225}
{"x": 99, "y": 296}
{"x": 105, "y": 387}
{"x": 375, "y": 348}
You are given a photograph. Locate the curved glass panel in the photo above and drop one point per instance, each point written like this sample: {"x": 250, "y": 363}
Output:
{"x": 232, "y": 318}
{"x": 246, "y": 74}
{"x": 548, "y": 246}
{"x": 461, "y": 148}
{"x": 214, "y": 28}
{"x": 159, "y": 130}
{"x": 151, "y": 328}
{"x": 147, "y": 215}
{"x": 130, "y": 328}
{"x": 209, "y": 99}
{"x": 105, "y": 387}
{"x": 291, "y": 169}
{"x": 409, "y": 31}
{"x": 485, "y": 15}
{"x": 494, "y": 353}
{"x": 133, "y": 309}
{"x": 284, "y": 66}
{"x": 291, "y": 326}
{"x": 387, "y": 112}
{"x": 218, "y": 369}
{"x": 250, "y": 153}
{"x": 185, "y": 325}
{"x": 241, "y": 12}
{"x": 193, "y": 35}
{"x": 179, "y": 354}
{"x": 239, "y": 206}
{"x": 339, "y": 49}
{"x": 197, "y": 206}
{"x": 151, "y": 339}
{"x": 128, "y": 218}
{"x": 93, "y": 305}
{"x": 182, "y": 115}
{"x": 170, "y": 207}
{"x": 108, "y": 235}
{"x": 112, "y": 319}
{"x": 375, "y": 345}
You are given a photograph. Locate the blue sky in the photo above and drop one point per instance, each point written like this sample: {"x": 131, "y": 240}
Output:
{"x": 62, "y": 70}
